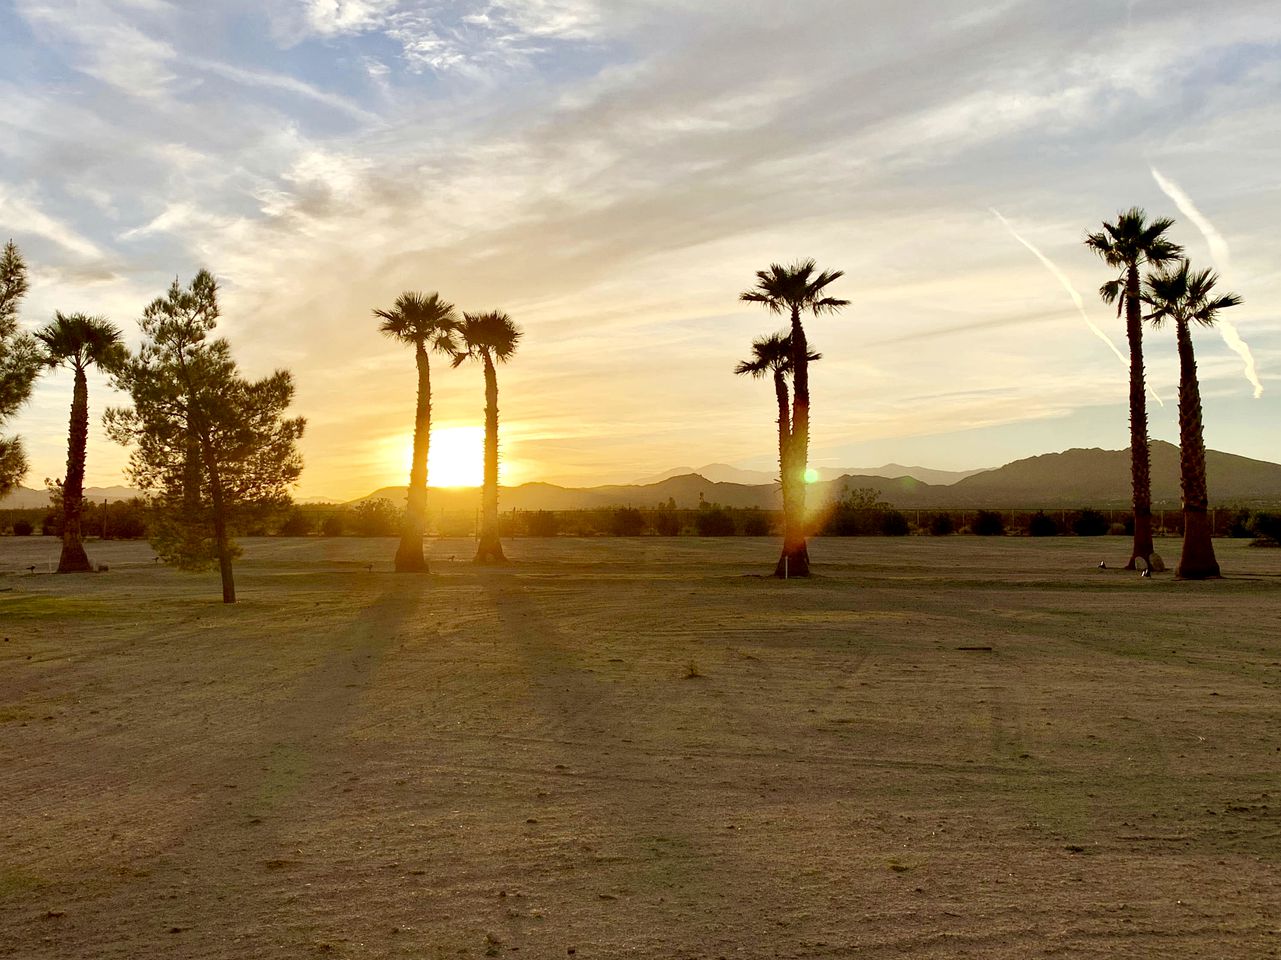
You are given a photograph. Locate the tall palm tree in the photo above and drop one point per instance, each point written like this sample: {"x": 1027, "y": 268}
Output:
{"x": 1127, "y": 246}
{"x": 1186, "y": 297}
{"x": 79, "y": 342}
{"x": 489, "y": 338}
{"x": 773, "y": 355}
{"x": 428, "y": 323}
{"x": 795, "y": 290}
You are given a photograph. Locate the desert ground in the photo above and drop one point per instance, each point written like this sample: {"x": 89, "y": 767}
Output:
{"x": 956, "y": 747}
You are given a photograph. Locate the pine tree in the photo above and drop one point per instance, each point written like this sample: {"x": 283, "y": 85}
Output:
{"x": 212, "y": 450}
{"x": 20, "y": 361}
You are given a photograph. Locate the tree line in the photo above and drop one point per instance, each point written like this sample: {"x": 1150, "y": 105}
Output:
{"x": 211, "y": 449}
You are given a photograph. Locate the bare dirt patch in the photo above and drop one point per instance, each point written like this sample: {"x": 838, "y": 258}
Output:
{"x": 936, "y": 748}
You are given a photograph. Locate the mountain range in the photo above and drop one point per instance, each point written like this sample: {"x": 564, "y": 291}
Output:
{"x": 1073, "y": 478}
{"x": 724, "y": 473}
{"x": 24, "y": 498}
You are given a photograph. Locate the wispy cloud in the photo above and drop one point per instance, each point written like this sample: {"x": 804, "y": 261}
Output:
{"x": 612, "y": 174}
{"x": 1067, "y": 285}
{"x": 1221, "y": 256}
{"x": 22, "y": 215}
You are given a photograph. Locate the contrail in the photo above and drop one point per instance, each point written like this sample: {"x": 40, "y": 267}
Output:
{"x": 1222, "y": 260}
{"x": 1072, "y": 292}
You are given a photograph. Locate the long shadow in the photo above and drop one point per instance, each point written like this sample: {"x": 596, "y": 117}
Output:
{"x": 171, "y": 896}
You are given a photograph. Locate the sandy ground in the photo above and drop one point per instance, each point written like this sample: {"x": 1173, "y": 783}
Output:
{"x": 519, "y": 763}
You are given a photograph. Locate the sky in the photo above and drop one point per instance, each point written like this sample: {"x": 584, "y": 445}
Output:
{"x": 611, "y": 173}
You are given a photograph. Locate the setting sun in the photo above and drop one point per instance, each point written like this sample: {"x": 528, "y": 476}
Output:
{"x": 456, "y": 457}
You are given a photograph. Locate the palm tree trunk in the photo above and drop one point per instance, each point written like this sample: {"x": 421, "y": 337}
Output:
{"x": 1197, "y": 561}
{"x": 784, "y": 438}
{"x": 490, "y": 548}
{"x": 795, "y": 559}
{"x": 73, "y": 558}
{"x": 1140, "y": 458}
{"x": 409, "y": 554}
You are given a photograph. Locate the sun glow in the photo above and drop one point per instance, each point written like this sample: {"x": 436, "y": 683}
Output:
{"x": 456, "y": 457}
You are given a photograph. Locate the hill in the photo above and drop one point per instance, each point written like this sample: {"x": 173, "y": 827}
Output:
{"x": 724, "y": 473}
{"x": 1073, "y": 478}
{"x": 1102, "y": 478}
{"x": 24, "y": 498}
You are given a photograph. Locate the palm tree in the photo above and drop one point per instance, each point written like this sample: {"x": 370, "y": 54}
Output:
{"x": 796, "y": 289}
{"x": 1185, "y": 297}
{"x": 773, "y": 355}
{"x": 1128, "y": 245}
{"x": 428, "y": 323}
{"x": 489, "y": 337}
{"x": 81, "y": 342}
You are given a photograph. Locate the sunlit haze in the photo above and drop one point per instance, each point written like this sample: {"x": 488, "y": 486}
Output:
{"x": 612, "y": 174}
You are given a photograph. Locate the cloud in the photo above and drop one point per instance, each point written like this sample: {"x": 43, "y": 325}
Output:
{"x": 276, "y": 81}
{"x": 104, "y": 43}
{"x": 612, "y": 174}
{"x": 1063, "y": 280}
{"x": 1220, "y": 255}
{"x": 21, "y": 215}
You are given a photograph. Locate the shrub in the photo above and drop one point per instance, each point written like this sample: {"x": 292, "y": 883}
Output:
{"x": 22, "y": 528}
{"x": 1239, "y": 525}
{"x": 894, "y": 524}
{"x": 332, "y": 525}
{"x": 989, "y": 523}
{"x": 543, "y": 523}
{"x": 1042, "y": 526}
{"x": 942, "y": 525}
{"x": 714, "y": 522}
{"x": 667, "y": 523}
{"x": 627, "y": 522}
{"x": 375, "y": 518}
{"x": 1266, "y": 528}
{"x": 1090, "y": 523}
{"x": 297, "y": 524}
{"x": 858, "y": 513}
{"x": 756, "y": 524}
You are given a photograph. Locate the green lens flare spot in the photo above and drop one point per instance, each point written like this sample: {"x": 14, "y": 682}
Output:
{"x": 811, "y": 475}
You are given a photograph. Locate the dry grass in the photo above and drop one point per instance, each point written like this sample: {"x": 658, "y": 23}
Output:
{"x": 511, "y": 762}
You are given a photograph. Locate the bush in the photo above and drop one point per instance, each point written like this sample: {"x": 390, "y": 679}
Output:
{"x": 1266, "y": 528}
{"x": 942, "y": 525}
{"x": 375, "y": 518}
{"x": 894, "y": 524}
{"x": 332, "y": 526}
{"x": 756, "y": 524}
{"x": 1239, "y": 525}
{"x": 129, "y": 526}
{"x": 543, "y": 523}
{"x": 627, "y": 522}
{"x": 989, "y": 523}
{"x": 1090, "y": 523}
{"x": 858, "y": 513}
{"x": 714, "y": 523}
{"x": 297, "y": 524}
{"x": 22, "y": 528}
{"x": 667, "y": 523}
{"x": 1042, "y": 526}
